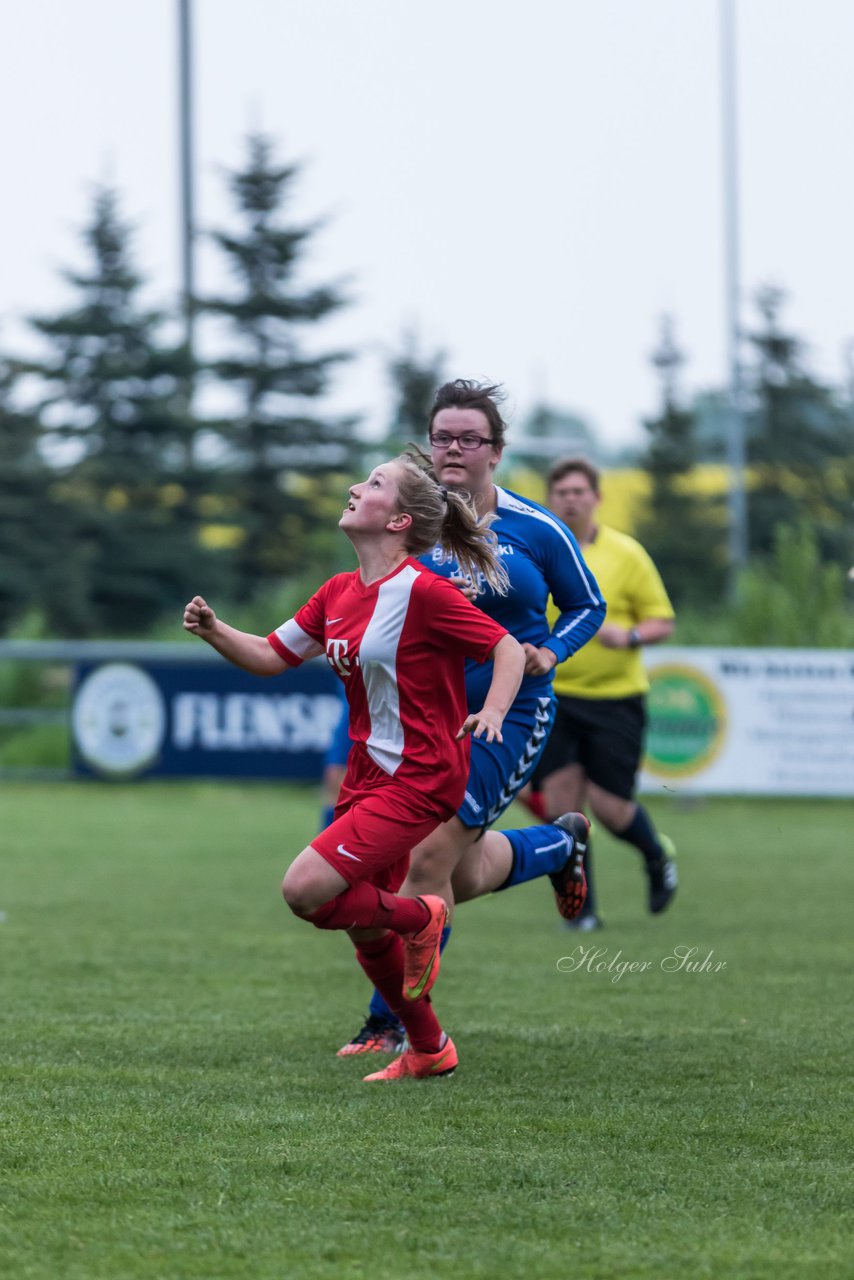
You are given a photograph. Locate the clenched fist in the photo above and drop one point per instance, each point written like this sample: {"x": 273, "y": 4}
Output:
{"x": 199, "y": 617}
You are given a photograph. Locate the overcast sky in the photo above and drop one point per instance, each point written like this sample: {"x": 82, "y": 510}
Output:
{"x": 530, "y": 186}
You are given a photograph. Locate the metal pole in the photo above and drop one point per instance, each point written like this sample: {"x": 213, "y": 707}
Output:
{"x": 187, "y": 214}
{"x": 736, "y": 447}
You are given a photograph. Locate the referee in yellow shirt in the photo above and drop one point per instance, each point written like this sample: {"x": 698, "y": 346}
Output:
{"x": 594, "y": 753}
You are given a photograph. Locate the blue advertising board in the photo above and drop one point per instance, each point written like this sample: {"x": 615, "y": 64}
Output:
{"x": 201, "y": 720}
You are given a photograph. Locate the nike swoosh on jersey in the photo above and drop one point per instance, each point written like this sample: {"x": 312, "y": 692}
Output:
{"x": 330, "y": 622}
{"x": 346, "y": 854}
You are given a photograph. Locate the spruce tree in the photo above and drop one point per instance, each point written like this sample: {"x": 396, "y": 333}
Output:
{"x": 285, "y": 467}
{"x": 118, "y": 435}
{"x": 683, "y": 531}
{"x": 414, "y": 377}
{"x": 800, "y": 441}
{"x": 26, "y": 524}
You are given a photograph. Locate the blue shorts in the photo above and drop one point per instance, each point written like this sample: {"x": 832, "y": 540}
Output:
{"x": 499, "y": 770}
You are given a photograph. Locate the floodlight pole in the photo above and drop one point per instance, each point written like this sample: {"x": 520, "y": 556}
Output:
{"x": 187, "y": 214}
{"x": 736, "y": 446}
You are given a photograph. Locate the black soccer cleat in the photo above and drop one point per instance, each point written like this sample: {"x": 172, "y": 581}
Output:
{"x": 378, "y": 1035}
{"x": 661, "y": 874}
{"x": 570, "y": 883}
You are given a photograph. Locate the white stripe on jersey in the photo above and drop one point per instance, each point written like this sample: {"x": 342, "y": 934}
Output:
{"x": 298, "y": 641}
{"x": 570, "y": 626}
{"x": 378, "y": 662}
{"x": 513, "y": 503}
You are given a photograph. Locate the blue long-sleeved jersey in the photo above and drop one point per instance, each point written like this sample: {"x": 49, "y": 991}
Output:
{"x": 542, "y": 558}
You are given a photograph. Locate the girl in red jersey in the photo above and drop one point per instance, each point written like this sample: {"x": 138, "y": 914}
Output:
{"x": 398, "y": 636}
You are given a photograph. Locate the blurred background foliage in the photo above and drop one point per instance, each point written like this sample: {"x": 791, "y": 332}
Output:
{"x": 120, "y": 496}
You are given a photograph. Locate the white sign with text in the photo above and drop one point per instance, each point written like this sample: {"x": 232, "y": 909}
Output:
{"x": 750, "y": 722}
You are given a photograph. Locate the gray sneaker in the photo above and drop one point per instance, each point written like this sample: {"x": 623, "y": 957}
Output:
{"x": 585, "y": 923}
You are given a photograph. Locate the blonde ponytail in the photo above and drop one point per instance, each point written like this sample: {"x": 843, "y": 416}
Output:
{"x": 449, "y": 518}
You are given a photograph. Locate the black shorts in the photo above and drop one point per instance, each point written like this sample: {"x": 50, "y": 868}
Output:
{"x": 604, "y": 735}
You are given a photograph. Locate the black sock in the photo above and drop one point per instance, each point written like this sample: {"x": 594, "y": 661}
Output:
{"x": 642, "y": 834}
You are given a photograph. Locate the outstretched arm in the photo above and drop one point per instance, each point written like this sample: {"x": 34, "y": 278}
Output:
{"x": 508, "y": 658}
{"x": 252, "y": 653}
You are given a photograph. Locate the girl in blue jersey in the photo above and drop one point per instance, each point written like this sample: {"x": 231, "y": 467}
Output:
{"x": 461, "y": 859}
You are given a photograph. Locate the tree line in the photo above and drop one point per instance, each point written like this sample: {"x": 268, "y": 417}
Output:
{"x": 119, "y": 495}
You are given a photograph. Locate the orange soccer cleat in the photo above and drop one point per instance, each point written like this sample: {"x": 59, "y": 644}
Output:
{"x": 413, "y": 1065}
{"x": 421, "y": 958}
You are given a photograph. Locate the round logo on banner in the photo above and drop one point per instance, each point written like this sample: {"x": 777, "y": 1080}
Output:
{"x": 687, "y": 721}
{"x": 118, "y": 719}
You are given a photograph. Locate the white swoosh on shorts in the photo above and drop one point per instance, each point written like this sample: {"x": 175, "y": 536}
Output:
{"x": 346, "y": 854}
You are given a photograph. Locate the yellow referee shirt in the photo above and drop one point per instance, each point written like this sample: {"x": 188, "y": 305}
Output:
{"x": 633, "y": 591}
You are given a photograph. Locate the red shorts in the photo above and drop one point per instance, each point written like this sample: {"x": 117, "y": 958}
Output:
{"x": 378, "y": 822}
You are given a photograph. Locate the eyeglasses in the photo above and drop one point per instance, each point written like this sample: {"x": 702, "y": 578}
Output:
{"x": 469, "y": 441}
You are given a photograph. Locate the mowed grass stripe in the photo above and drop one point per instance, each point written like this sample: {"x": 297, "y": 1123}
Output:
{"x": 172, "y": 1107}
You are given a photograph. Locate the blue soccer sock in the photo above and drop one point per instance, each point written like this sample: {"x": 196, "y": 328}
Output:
{"x": 327, "y": 813}
{"x": 537, "y": 851}
{"x": 378, "y": 1007}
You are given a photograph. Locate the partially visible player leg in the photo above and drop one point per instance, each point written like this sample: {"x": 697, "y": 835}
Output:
{"x": 431, "y": 864}
{"x": 316, "y": 892}
{"x": 419, "y": 921}
{"x": 382, "y": 960}
{"x": 497, "y": 773}
{"x": 629, "y": 821}
{"x": 500, "y": 860}
{"x": 504, "y": 859}
{"x": 614, "y": 750}
{"x": 430, "y": 1052}
{"x": 348, "y": 878}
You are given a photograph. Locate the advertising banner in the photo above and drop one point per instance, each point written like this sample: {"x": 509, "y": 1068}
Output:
{"x": 747, "y": 722}
{"x": 195, "y": 719}
{"x": 750, "y": 722}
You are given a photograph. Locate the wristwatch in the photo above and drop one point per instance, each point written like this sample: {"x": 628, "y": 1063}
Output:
{"x": 635, "y": 641}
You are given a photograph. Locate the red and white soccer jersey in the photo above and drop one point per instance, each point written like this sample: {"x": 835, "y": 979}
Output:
{"x": 399, "y": 645}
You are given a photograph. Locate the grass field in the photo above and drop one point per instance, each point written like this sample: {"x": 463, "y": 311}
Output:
{"x": 172, "y": 1106}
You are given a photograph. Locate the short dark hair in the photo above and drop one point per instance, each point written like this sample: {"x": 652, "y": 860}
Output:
{"x": 564, "y": 466}
{"x": 463, "y": 393}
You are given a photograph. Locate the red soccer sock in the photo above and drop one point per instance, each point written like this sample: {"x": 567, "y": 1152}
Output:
{"x": 363, "y": 906}
{"x": 533, "y": 801}
{"x": 382, "y": 961}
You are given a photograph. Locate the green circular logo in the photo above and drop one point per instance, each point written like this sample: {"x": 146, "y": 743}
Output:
{"x": 687, "y": 721}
